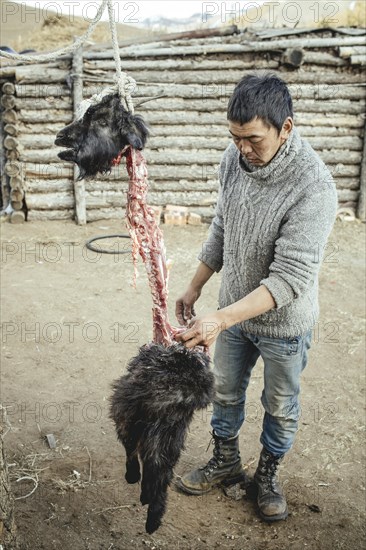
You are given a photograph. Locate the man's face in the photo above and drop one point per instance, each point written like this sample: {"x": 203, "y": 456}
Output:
{"x": 257, "y": 142}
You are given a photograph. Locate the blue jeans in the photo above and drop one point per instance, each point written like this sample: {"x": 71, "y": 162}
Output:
{"x": 284, "y": 359}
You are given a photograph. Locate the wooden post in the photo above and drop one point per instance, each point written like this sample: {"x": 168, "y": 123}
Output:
{"x": 79, "y": 186}
{"x": 7, "y": 523}
{"x": 361, "y": 207}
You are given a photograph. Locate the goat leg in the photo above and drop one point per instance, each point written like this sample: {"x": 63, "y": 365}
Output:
{"x": 132, "y": 474}
{"x": 158, "y": 501}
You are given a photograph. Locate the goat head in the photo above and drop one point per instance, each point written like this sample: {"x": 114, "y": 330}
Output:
{"x": 96, "y": 139}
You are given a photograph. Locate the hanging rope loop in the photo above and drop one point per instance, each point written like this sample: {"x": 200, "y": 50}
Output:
{"x": 125, "y": 84}
{"x": 53, "y": 56}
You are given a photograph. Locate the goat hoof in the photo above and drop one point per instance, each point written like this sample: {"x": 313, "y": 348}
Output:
{"x": 152, "y": 524}
{"x": 132, "y": 477}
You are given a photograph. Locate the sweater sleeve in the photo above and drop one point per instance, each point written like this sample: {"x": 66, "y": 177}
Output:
{"x": 213, "y": 249}
{"x": 300, "y": 246}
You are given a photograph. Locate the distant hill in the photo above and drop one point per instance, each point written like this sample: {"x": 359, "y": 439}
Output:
{"x": 21, "y": 30}
{"x": 263, "y": 14}
{"x": 304, "y": 14}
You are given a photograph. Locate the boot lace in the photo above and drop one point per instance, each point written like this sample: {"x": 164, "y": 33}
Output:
{"x": 268, "y": 471}
{"x": 217, "y": 459}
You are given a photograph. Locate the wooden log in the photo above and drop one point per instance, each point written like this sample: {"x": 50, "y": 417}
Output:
{"x": 50, "y": 201}
{"x": 17, "y": 205}
{"x": 44, "y": 215}
{"x": 9, "y": 117}
{"x": 8, "y": 101}
{"x": 358, "y": 59}
{"x": 17, "y": 217}
{"x": 5, "y": 191}
{"x": 323, "y": 58}
{"x": 48, "y": 171}
{"x": 315, "y": 105}
{"x": 164, "y": 172}
{"x": 308, "y": 85}
{"x": 60, "y": 201}
{"x": 40, "y": 128}
{"x": 361, "y": 207}
{"x": 16, "y": 182}
{"x": 347, "y": 195}
{"x": 8, "y": 88}
{"x": 28, "y": 103}
{"x": 62, "y": 116}
{"x": 4, "y": 183}
{"x": 307, "y": 119}
{"x": 11, "y": 142}
{"x": 293, "y": 57}
{"x": 200, "y": 64}
{"x": 11, "y": 129}
{"x": 51, "y": 186}
{"x": 347, "y": 51}
{"x": 93, "y": 215}
{"x": 12, "y": 154}
{"x": 179, "y": 157}
{"x": 42, "y": 89}
{"x": 7, "y": 72}
{"x": 16, "y": 195}
{"x": 13, "y": 168}
{"x": 343, "y": 156}
{"x": 344, "y": 170}
{"x": 254, "y": 46}
{"x": 33, "y": 74}
{"x": 212, "y": 130}
{"x": 213, "y": 141}
{"x": 224, "y": 77}
{"x": 79, "y": 186}
{"x": 348, "y": 183}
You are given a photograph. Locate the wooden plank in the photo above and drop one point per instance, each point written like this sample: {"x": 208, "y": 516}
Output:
{"x": 179, "y": 157}
{"x": 231, "y": 77}
{"x": 163, "y": 172}
{"x": 347, "y": 51}
{"x": 220, "y": 142}
{"x": 245, "y": 46}
{"x": 199, "y": 64}
{"x": 43, "y": 215}
{"x": 42, "y": 89}
{"x": 361, "y": 207}
{"x": 77, "y": 97}
{"x": 211, "y": 130}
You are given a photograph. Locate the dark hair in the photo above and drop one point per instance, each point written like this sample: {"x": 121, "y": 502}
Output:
{"x": 264, "y": 96}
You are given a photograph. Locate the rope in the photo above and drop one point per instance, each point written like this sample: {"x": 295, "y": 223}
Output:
{"x": 125, "y": 84}
{"x": 53, "y": 56}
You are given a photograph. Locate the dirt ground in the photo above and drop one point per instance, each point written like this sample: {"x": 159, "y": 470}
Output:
{"x": 70, "y": 322}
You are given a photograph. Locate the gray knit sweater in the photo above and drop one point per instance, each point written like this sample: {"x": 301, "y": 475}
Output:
{"x": 270, "y": 228}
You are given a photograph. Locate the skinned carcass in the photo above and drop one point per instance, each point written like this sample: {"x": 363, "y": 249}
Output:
{"x": 153, "y": 404}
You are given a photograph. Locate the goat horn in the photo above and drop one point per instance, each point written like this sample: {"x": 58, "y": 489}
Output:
{"x": 149, "y": 99}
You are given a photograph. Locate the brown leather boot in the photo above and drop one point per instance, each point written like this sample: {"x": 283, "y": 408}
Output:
{"x": 224, "y": 468}
{"x": 271, "y": 501}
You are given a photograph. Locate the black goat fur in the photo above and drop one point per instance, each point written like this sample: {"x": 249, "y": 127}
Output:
{"x": 152, "y": 407}
{"x": 97, "y": 138}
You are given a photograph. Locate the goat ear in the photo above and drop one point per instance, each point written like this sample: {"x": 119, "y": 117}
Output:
{"x": 134, "y": 140}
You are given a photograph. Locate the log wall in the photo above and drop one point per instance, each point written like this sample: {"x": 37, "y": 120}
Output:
{"x": 189, "y": 128}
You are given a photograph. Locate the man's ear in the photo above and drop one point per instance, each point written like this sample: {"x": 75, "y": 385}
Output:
{"x": 287, "y": 127}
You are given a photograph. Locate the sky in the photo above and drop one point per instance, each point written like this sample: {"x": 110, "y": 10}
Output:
{"x": 128, "y": 10}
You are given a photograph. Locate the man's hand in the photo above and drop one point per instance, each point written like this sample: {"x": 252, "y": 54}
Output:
{"x": 184, "y": 310}
{"x": 202, "y": 331}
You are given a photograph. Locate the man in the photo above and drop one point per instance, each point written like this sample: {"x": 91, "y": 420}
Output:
{"x": 276, "y": 207}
